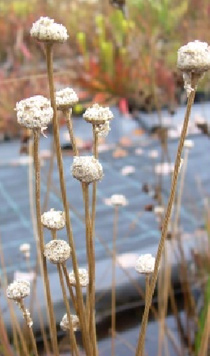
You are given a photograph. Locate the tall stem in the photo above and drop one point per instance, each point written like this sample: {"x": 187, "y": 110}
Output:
{"x": 69, "y": 124}
{"x": 31, "y": 334}
{"x": 141, "y": 340}
{"x": 81, "y": 309}
{"x": 71, "y": 331}
{"x": 52, "y": 324}
{"x": 113, "y": 328}
{"x": 91, "y": 268}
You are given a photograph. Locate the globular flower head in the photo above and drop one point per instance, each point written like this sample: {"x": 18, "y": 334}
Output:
{"x": 25, "y": 248}
{"x": 46, "y": 30}
{"x": 66, "y": 98}
{"x": 145, "y": 264}
{"x": 103, "y": 129}
{"x": 118, "y": 200}
{"x": 57, "y": 251}
{"x": 35, "y": 112}
{"x": 87, "y": 169}
{"x": 194, "y": 57}
{"x": 18, "y": 290}
{"x": 53, "y": 220}
{"x": 83, "y": 278}
{"x": 64, "y": 324}
{"x": 97, "y": 114}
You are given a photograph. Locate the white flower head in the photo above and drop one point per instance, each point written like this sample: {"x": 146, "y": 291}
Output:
{"x": 35, "y": 112}
{"x": 66, "y": 98}
{"x": 57, "y": 251}
{"x": 145, "y": 264}
{"x": 64, "y": 324}
{"x": 18, "y": 290}
{"x": 24, "y": 248}
{"x": 87, "y": 169}
{"x": 97, "y": 114}
{"x": 159, "y": 210}
{"x": 83, "y": 278}
{"x": 46, "y": 30}
{"x": 103, "y": 129}
{"x": 194, "y": 57}
{"x": 53, "y": 220}
{"x": 188, "y": 144}
{"x": 118, "y": 200}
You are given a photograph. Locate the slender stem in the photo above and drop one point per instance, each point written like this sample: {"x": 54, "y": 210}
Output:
{"x": 81, "y": 308}
{"x": 69, "y": 124}
{"x": 113, "y": 319}
{"x": 52, "y": 324}
{"x": 31, "y": 334}
{"x": 49, "y": 176}
{"x": 91, "y": 268}
{"x": 74, "y": 301}
{"x": 71, "y": 330}
{"x": 54, "y": 234}
{"x": 95, "y": 153}
{"x": 141, "y": 340}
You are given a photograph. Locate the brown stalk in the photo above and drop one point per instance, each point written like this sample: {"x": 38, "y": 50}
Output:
{"x": 31, "y": 333}
{"x": 113, "y": 317}
{"x": 141, "y": 340}
{"x": 49, "y": 177}
{"x": 91, "y": 269}
{"x": 52, "y": 324}
{"x": 81, "y": 308}
{"x": 68, "y": 311}
{"x": 68, "y": 113}
{"x": 73, "y": 298}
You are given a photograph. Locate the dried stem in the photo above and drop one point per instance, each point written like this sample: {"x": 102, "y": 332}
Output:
{"x": 113, "y": 319}
{"x": 95, "y": 153}
{"x": 141, "y": 340}
{"x": 69, "y": 124}
{"x": 71, "y": 331}
{"x": 91, "y": 269}
{"x": 52, "y": 324}
{"x": 31, "y": 334}
{"x": 73, "y": 298}
{"x": 81, "y": 308}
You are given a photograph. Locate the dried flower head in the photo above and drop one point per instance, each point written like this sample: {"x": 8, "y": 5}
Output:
{"x": 53, "y": 220}
{"x": 18, "y": 290}
{"x": 87, "y": 169}
{"x": 83, "y": 278}
{"x": 97, "y": 114}
{"x": 103, "y": 129}
{"x": 66, "y": 98}
{"x": 118, "y": 200}
{"x": 194, "y": 57}
{"x": 64, "y": 324}
{"x": 188, "y": 144}
{"x": 57, "y": 251}
{"x": 46, "y": 30}
{"x": 145, "y": 264}
{"x": 35, "y": 112}
{"x": 159, "y": 210}
{"x": 25, "y": 248}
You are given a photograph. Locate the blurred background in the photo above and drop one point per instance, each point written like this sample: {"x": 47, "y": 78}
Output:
{"x": 122, "y": 54}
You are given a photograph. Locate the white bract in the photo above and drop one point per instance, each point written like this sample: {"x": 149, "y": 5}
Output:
{"x": 194, "y": 57}
{"x": 83, "y": 277}
{"x": 53, "y": 220}
{"x": 97, "y": 114}
{"x": 87, "y": 169}
{"x": 18, "y": 290}
{"x": 45, "y": 29}
{"x": 118, "y": 200}
{"x": 66, "y": 98}
{"x": 34, "y": 112}
{"x": 57, "y": 251}
{"x": 64, "y": 324}
{"x": 145, "y": 264}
